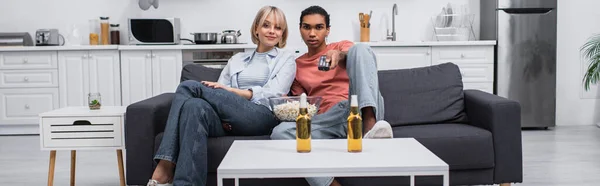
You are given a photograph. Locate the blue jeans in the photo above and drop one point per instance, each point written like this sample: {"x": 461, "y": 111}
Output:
{"x": 196, "y": 114}
{"x": 361, "y": 65}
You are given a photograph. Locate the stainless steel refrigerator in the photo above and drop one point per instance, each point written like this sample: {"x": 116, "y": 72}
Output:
{"x": 525, "y": 31}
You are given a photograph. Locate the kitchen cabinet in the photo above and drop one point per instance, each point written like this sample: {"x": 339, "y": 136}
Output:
{"x": 390, "y": 58}
{"x": 476, "y": 63}
{"x": 84, "y": 72}
{"x": 28, "y": 86}
{"x": 147, "y": 73}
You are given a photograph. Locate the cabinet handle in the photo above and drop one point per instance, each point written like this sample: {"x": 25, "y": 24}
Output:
{"x": 84, "y": 56}
{"x": 90, "y": 56}
{"x": 153, "y": 55}
{"x": 147, "y": 55}
{"x": 25, "y": 60}
{"x": 26, "y": 79}
{"x": 462, "y": 55}
{"x": 26, "y": 106}
{"x": 427, "y": 53}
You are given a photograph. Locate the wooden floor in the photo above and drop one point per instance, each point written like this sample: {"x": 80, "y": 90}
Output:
{"x": 563, "y": 156}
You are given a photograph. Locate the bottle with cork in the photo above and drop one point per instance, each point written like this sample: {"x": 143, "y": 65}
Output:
{"x": 354, "y": 126}
{"x": 303, "y": 127}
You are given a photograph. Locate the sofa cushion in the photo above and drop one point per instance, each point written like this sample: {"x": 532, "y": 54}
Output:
{"x": 217, "y": 147}
{"x": 461, "y": 146}
{"x": 200, "y": 73}
{"x": 423, "y": 95}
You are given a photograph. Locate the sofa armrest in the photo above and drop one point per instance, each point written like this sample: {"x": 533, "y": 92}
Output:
{"x": 502, "y": 117}
{"x": 143, "y": 121}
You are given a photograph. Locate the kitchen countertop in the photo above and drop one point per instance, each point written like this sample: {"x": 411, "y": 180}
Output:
{"x": 429, "y": 43}
{"x": 233, "y": 46}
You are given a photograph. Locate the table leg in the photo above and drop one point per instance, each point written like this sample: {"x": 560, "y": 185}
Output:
{"x": 219, "y": 181}
{"x": 51, "y": 168}
{"x": 120, "y": 162}
{"x": 73, "y": 159}
{"x": 446, "y": 179}
{"x": 412, "y": 180}
{"x": 237, "y": 182}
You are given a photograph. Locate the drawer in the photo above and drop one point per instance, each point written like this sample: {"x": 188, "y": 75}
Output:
{"x": 28, "y": 78}
{"x": 79, "y": 132}
{"x": 463, "y": 54}
{"x": 392, "y": 58}
{"x": 486, "y": 87}
{"x": 28, "y": 60}
{"x": 22, "y": 106}
{"x": 477, "y": 72}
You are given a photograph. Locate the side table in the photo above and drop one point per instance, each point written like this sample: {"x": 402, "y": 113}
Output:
{"x": 79, "y": 128}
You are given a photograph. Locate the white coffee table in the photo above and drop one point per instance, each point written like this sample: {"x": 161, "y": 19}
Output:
{"x": 329, "y": 158}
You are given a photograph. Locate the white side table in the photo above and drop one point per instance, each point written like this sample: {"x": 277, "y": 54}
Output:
{"x": 79, "y": 128}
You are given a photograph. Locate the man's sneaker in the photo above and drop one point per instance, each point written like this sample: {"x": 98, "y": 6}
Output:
{"x": 381, "y": 129}
{"x": 155, "y": 183}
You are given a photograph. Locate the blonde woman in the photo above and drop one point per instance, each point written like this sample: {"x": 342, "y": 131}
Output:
{"x": 235, "y": 105}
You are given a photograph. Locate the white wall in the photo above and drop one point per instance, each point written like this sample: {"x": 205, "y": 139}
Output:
{"x": 577, "y": 21}
{"x": 412, "y": 22}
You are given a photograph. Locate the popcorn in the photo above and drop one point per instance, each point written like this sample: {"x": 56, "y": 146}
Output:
{"x": 290, "y": 110}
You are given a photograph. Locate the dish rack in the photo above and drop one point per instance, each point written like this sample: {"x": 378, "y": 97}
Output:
{"x": 453, "y": 27}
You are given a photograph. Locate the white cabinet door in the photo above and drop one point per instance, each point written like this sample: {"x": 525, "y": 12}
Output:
{"x": 136, "y": 75}
{"x": 390, "y": 58}
{"x": 105, "y": 76}
{"x": 166, "y": 71}
{"x": 73, "y": 73}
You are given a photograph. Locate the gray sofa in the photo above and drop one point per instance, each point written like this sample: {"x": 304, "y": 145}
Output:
{"x": 478, "y": 134}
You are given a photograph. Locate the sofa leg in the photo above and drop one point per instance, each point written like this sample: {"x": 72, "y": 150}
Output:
{"x": 505, "y": 184}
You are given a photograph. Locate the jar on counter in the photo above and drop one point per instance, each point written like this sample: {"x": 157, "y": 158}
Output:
{"x": 115, "y": 34}
{"x": 94, "y": 30}
{"x": 104, "y": 30}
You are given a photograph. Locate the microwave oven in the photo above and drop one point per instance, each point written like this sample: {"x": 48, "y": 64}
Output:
{"x": 153, "y": 31}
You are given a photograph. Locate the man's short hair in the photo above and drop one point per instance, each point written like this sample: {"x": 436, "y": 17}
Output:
{"x": 315, "y": 10}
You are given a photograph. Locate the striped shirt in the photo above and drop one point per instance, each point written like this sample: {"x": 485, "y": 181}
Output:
{"x": 256, "y": 73}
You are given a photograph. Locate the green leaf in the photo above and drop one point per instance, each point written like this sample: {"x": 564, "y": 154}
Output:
{"x": 591, "y": 53}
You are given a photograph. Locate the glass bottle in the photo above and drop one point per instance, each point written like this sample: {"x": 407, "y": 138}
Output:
{"x": 115, "y": 35}
{"x": 354, "y": 127}
{"x": 94, "y": 39}
{"x": 303, "y": 127}
{"x": 104, "y": 30}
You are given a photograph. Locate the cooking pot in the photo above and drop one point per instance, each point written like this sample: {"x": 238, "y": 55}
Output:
{"x": 205, "y": 37}
{"x": 230, "y": 36}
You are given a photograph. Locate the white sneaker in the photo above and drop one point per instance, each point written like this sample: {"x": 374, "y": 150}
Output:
{"x": 155, "y": 183}
{"x": 381, "y": 129}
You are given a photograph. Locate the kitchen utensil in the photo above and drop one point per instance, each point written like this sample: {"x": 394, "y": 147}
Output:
{"x": 205, "y": 37}
{"x": 361, "y": 17}
{"x": 230, "y": 36}
{"x": 155, "y": 4}
{"x": 449, "y": 14}
{"x": 367, "y": 20}
{"x": 144, "y": 4}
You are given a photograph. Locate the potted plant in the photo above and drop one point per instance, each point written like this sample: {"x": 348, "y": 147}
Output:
{"x": 591, "y": 53}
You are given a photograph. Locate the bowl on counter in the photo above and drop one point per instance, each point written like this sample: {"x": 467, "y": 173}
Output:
{"x": 287, "y": 108}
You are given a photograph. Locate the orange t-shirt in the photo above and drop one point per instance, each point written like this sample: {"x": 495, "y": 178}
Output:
{"x": 331, "y": 85}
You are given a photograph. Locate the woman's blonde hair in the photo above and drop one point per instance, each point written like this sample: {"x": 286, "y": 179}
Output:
{"x": 280, "y": 20}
